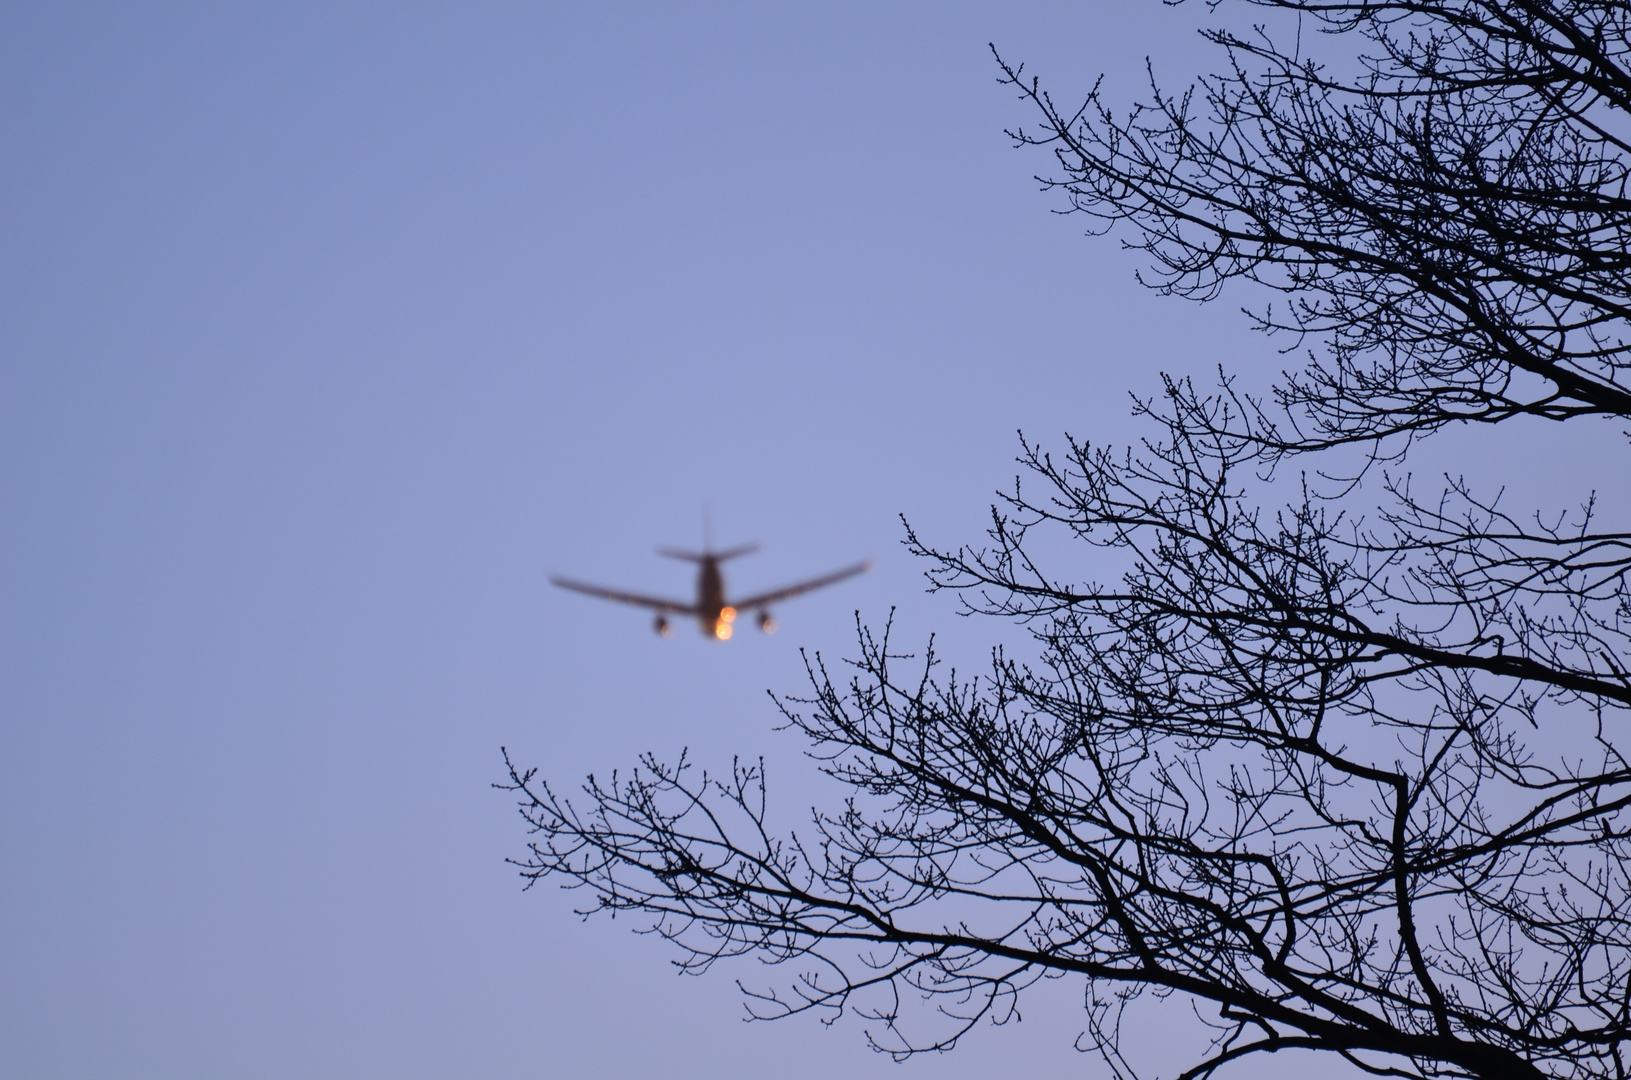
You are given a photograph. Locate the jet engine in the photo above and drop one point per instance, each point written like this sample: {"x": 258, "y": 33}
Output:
{"x": 766, "y": 622}
{"x": 660, "y": 624}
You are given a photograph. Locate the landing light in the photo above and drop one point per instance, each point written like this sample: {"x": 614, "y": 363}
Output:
{"x": 767, "y": 622}
{"x": 722, "y": 626}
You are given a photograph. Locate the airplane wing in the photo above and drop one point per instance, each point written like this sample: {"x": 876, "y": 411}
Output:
{"x": 621, "y": 597}
{"x": 803, "y": 586}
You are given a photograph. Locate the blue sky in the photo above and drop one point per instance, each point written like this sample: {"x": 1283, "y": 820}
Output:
{"x": 327, "y": 332}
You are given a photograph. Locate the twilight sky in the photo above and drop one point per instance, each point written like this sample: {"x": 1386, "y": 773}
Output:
{"x": 328, "y": 331}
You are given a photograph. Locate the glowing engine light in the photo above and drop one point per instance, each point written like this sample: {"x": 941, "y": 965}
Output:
{"x": 766, "y": 622}
{"x": 727, "y": 614}
{"x": 722, "y": 630}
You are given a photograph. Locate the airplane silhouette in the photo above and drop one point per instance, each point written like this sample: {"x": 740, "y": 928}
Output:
{"x": 713, "y": 614}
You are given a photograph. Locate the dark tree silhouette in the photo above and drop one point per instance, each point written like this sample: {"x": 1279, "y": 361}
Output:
{"x": 1346, "y": 782}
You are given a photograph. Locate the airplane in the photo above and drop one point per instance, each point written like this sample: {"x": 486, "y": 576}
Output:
{"x": 713, "y": 614}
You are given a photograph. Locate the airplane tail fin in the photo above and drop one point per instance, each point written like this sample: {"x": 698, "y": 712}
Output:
{"x": 676, "y": 553}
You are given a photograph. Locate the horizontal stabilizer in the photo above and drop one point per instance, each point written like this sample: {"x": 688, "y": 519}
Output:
{"x": 716, "y": 556}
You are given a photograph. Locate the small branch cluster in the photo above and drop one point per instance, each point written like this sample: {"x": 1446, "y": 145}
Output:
{"x": 1453, "y": 222}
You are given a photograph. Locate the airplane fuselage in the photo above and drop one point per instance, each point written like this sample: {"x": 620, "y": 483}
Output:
{"x": 714, "y": 616}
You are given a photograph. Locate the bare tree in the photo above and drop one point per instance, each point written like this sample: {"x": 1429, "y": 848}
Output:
{"x": 1347, "y": 778}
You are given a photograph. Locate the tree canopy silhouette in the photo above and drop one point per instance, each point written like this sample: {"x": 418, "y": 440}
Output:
{"x": 1345, "y": 775}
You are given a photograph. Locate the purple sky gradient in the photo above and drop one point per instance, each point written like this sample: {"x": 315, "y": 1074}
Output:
{"x": 328, "y": 331}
